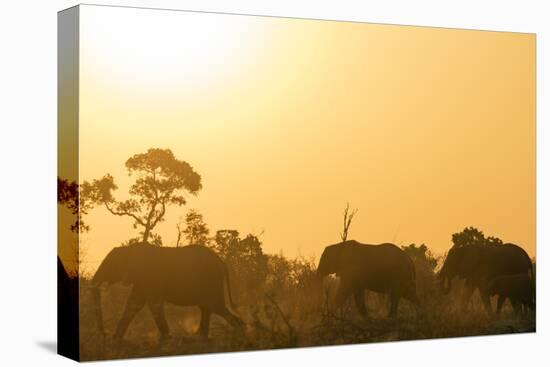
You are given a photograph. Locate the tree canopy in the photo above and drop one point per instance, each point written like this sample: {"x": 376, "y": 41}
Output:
{"x": 161, "y": 180}
{"x": 77, "y": 199}
{"x": 473, "y": 236}
{"x": 196, "y": 231}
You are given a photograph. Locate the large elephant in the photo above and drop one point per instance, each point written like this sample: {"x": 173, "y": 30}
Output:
{"x": 187, "y": 276}
{"x": 477, "y": 264}
{"x": 383, "y": 268}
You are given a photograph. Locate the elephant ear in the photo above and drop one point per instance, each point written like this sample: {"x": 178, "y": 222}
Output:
{"x": 339, "y": 257}
{"x": 330, "y": 262}
{"x": 472, "y": 259}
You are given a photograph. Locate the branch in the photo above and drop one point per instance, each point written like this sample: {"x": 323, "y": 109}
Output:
{"x": 179, "y": 235}
{"x": 348, "y": 217}
{"x": 123, "y": 213}
{"x": 162, "y": 212}
{"x": 283, "y": 317}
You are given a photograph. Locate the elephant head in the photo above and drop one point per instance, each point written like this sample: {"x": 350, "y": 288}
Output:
{"x": 122, "y": 264}
{"x": 461, "y": 262}
{"x": 449, "y": 270}
{"x": 331, "y": 260}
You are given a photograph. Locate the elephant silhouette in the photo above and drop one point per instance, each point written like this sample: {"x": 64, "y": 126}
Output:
{"x": 477, "y": 264}
{"x": 192, "y": 275}
{"x": 383, "y": 268}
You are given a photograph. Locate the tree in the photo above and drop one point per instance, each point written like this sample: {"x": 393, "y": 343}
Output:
{"x": 77, "y": 199}
{"x": 196, "y": 231}
{"x": 493, "y": 241}
{"x": 421, "y": 255}
{"x": 286, "y": 275}
{"x": 224, "y": 241}
{"x": 468, "y": 236}
{"x": 348, "y": 217}
{"x": 244, "y": 257}
{"x": 473, "y": 236}
{"x": 161, "y": 181}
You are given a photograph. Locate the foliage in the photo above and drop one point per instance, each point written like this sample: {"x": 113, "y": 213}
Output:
{"x": 425, "y": 263}
{"x": 473, "y": 236}
{"x": 244, "y": 257}
{"x": 196, "y": 231}
{"x": 421, "y": 254}
{"x": 77, "y": 199}
{"x": 287, "y": 275}
{"x": 161, "y": 180}
{"x": 154, "y": 239}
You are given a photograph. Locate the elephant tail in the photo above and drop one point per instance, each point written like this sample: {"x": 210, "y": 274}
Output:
{"x": 228, "y": 285}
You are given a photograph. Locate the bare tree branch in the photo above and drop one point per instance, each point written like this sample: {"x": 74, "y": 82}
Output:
{"x": 348, "y": 217}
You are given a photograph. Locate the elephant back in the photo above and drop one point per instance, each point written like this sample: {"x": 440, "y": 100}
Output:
{"x": 382, "y": 263}
{"x": 509, "y": 259}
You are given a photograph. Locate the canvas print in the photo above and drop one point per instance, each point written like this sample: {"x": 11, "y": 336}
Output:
{"x": 235, "y": 182}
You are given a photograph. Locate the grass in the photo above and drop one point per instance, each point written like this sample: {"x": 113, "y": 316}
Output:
{"x": 287, "y": 320}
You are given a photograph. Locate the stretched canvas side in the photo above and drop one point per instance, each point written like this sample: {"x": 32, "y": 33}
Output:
{"x": 68, "y": 224}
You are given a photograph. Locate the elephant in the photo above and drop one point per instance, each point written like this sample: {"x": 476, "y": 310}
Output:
{"x": 191, "y": 275}
{"x": 519, "y": 288}
{"x": 383, "y": 268}
{"x": 479, "y": 263}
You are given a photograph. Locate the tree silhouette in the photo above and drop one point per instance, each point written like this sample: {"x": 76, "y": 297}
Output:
{"x": 473, "y": 236}
{"x": 225, "y": 241}
{"x": 77, "y": 199}
{"x": 245, "y": 256}
{"x": 196, "y": 231}
{"x": 161, "y": 181}
{"x": 421, "y": 254}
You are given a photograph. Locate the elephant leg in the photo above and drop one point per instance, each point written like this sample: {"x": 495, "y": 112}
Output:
{"x": 343, "y": 293}
{"x": 394, "y": 304}
{"x": 231, "y": 319}
{"x": 466, "y": 295}
{"x": 500, "y": 303}
{"x": 486, "y": 299}
{"x": 204, "y": 326}
{"x": 359, "y": 296}
{"x": 133, "y": 305}
{"x": 157, "y": 309}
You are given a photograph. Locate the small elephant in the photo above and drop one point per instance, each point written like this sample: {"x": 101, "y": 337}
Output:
{"x": 519, "y": 288}
{"x": 383, "y": 268}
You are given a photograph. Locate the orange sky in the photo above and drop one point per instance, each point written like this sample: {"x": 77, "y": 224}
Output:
{"x": 424, "y": 130}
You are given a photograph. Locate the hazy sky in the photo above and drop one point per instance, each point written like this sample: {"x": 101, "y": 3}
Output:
{"x": 424, "y": 130}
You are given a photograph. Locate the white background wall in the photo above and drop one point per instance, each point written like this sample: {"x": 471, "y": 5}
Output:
{"x": 28, "y": 170}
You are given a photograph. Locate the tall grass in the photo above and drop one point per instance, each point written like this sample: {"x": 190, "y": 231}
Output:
{"x": 289, "y": 309}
